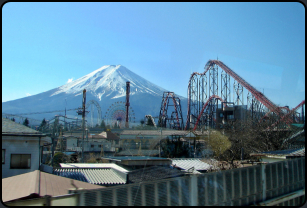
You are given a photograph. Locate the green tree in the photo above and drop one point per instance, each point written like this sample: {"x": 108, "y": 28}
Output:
{"x": 102, "y": 125}
{"x": 58, "y": 158}
{"x": 142, "y": 122}
{"x": 217, "y": 142}
{"x": 43, "y": 125}
{"x": 149, "y": 122}
{"x": 26, "y": 122}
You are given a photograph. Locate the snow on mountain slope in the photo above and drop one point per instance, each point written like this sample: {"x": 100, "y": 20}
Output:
{"x": 106, "y": 85}
{"x": 110, "y": 80}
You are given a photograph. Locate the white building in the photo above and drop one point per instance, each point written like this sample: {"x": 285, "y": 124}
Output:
{"x": 21, "y": 148}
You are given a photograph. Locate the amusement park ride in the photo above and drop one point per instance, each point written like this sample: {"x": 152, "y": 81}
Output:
{"x": 211, "y": 103}
{"x": 216, "y": 97}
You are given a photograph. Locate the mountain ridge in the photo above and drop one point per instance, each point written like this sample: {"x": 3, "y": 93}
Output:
{"x": 106, "y": 85}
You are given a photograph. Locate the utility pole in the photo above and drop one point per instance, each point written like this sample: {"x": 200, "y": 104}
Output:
{"x": 83, "y": 126}
{"x": 127, "y": 104}
{"x": 160, "y": 143}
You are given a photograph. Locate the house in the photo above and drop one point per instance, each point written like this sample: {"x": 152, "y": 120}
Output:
{"x": 37, "y": 184}
{"x": 279, "y": 155}
{"x": 21, "y": 148}
{"x": 145, "y": 140}
{"x": 104, "y": 142}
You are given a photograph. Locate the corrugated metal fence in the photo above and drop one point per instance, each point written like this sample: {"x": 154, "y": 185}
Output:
{"x": 235, "y": 187}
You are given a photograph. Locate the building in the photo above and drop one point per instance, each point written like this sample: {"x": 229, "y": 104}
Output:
{"x": 136, "y": 162}
{"x": 38, "y": 184}
{"x": 21, "y": 148}
{"x": 105, "y": 143}
{"x": 145, "y": 139}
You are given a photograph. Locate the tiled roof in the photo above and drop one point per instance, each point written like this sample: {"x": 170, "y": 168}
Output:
{"x": 9, "y": 126}
{"x": 97, "y": 176}
{"x": 282, "y": 153}
{"x": 134, "y": 152}
{"x": 153, "y": 173}
{"x": 23, "y": 185}
{"x": 94, "y": 165}
{"x": 187, "y": 163}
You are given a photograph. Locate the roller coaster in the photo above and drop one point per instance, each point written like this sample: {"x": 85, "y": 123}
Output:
{"x": 205, "y": 99}
{"x": 212, "y": 104}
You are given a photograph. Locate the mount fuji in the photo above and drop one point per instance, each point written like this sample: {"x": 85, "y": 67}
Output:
{"x": 106, "y": 85}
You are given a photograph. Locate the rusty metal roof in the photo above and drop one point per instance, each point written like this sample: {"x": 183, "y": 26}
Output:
{"x": 40, "y": 184}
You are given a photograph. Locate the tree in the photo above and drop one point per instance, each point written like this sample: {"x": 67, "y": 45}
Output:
{"x": 13, "y": 119}
{"x": 26, "y": 122}
{"x": 142, "y": 122}
{"x": 217, "y": 142}
{"x": 58, "y": 158}
{"x": 102, "y": 125}
{"x": 149, "y": 122}
{"x": 252, "y": 136}
{"x": 43, "y": 125}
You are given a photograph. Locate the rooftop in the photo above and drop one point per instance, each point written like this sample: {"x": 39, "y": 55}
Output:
{"x": 98, "y": 176}
{"x": 12, "y": 128}
{"x": 282, "y": 153}
{"x": 38, "y": 184}
{"x": 190, "y": 163}
{"x": 119, "y": 158}
{"x": 154, "y": 132}
{"x": 153, "y": 173}
{"x": 94, "y": 165}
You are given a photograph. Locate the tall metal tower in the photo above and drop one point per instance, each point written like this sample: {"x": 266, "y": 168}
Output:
{"x": 127, "y": 103}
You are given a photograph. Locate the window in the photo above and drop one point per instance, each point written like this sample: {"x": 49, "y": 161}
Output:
{"x": 99, "y": 145}
{"x": 20, "y": 161}
{"x": 92, "y": 145}
{"x": 3, "y": 156}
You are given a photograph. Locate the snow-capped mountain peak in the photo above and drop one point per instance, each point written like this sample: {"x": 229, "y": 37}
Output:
{"x": 110, "y": 80}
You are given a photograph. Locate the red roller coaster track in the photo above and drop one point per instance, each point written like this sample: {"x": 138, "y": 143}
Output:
{"x": 172, "y": 95}
{"x": 258, "y": 95}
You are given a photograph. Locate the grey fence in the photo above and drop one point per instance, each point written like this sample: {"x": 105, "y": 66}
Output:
{"x": 236, "y": 187}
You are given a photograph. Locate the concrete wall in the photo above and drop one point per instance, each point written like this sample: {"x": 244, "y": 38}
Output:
{"x": 19, "y": 145}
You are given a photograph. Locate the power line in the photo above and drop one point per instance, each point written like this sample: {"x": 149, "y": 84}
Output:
{"x": 40, "y": 112}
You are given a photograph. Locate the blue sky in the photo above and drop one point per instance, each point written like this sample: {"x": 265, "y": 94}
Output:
{"x": 44, "y": 45}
